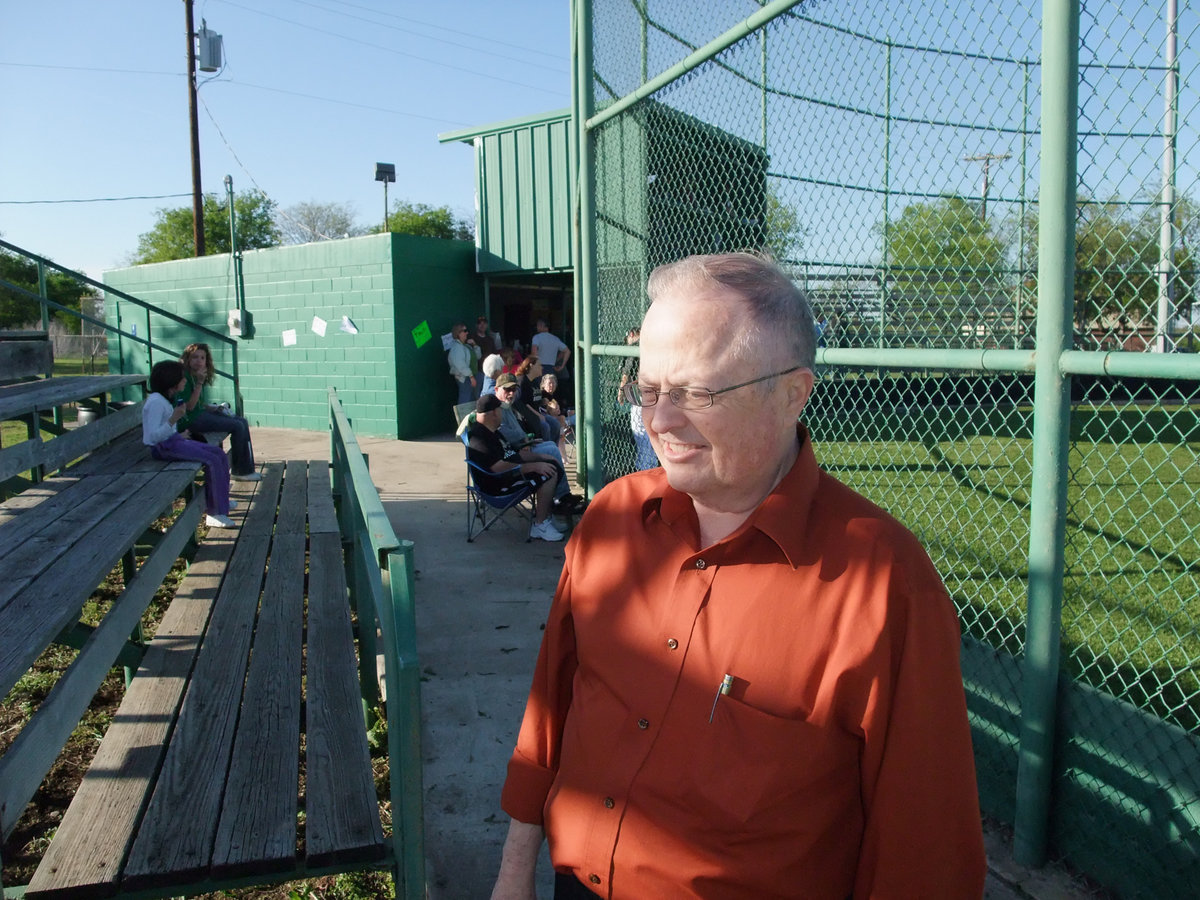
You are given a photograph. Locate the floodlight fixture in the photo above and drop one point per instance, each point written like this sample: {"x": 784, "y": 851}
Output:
{"x": 385, "y": 172}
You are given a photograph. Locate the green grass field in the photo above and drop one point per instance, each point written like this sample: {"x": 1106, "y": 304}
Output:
{"x": 1131, "y": 600}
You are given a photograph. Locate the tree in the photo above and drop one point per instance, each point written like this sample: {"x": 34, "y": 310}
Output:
{"x": 312, "y": 221}
{"x": 945, "y": 271}
{"x": 785, "y": 235}
{"x": 18, "y": 308}
{"x": 427, "y": 221}
{"x": 172, "y": 236}
{"x": 943, "y": 245}
{"x": 1116, "y": 262}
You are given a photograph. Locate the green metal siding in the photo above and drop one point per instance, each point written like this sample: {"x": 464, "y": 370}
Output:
{"x": 523, "y": 184}
{"x": 385, "y": 284}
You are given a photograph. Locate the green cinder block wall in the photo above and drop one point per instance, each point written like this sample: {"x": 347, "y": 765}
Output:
{"x": 385, "y": 285}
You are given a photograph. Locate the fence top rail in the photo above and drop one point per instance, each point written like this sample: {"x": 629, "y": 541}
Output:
{"x": 108, "y": 289}
{"x": 374, "y": 518}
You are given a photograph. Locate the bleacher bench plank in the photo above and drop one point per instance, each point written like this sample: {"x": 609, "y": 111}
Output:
{"x": 343, "y": 823}
{"x": 46, "y": 394}
{"x": 42, "y": 589}
{"x": 225, "y": 803}
{"x": 101, "y": 820}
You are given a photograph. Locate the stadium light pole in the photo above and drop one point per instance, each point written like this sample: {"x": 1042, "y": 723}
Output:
{"x": 385, "y": 172}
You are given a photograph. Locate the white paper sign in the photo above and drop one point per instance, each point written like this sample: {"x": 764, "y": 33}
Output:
{"x": 447, "y": 342}
{"x": 289, "y": 337}
{"x": 348, "y": 325}
{"x": 318, "y": 326}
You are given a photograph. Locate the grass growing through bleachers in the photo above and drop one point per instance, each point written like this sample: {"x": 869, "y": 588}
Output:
{"x": 1131, "y": 602}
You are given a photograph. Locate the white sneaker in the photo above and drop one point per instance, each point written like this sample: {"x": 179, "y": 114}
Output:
{"x": 219, "y": 522}
{"x": 249, "y": 476}
{"x": 545, "y": 531}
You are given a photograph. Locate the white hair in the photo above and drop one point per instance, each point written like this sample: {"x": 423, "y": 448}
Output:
{"x": 493, "y": 365}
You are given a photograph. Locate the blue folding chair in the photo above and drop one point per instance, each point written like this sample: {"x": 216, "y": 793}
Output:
{"x": 485, "y": 509}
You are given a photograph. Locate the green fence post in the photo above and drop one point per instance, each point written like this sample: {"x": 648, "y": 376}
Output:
{"x": 588, "y": 457}
{"x": 1051, "y": 423}
{"x": 404, "y": 719}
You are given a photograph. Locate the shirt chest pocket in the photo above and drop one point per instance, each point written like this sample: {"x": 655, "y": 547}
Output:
{"x": 752, "y": 768}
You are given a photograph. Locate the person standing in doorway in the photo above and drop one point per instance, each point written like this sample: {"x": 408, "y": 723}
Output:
{"x": 485, "y": 339}
{"x": 553, "y": 353}
{"x": 461, "y": 359}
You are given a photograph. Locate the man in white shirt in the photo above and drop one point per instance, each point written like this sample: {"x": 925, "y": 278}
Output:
{"x": 553, "y": 353}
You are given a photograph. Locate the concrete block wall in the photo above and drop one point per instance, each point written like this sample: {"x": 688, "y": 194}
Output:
{"x": 375, "y": 281}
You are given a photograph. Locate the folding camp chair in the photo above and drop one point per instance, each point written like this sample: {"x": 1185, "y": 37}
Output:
{"x": 486, "y": 509}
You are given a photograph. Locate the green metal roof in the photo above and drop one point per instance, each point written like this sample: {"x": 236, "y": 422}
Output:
{"x": 468, "y": 135}
{"x": 523, "y": 193}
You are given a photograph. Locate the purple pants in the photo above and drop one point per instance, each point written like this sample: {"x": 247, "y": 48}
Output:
{"x": 216, "y": 468}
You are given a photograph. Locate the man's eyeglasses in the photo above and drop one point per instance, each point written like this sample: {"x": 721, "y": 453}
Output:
{"x": 689, "y": 397}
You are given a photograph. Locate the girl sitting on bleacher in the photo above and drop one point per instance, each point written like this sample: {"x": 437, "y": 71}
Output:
{"x": 159, "y": 434}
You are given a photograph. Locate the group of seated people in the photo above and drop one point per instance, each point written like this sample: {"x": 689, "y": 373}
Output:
{"x": 536, "y": 393}
{"x": 509, "y": 439}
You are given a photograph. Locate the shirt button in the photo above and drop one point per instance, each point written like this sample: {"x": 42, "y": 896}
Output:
{"x": 643, "y": 724}
{"x": 609, "y": 803}
{"x": 701, "y": 564}
{"x": 673, "y": 644}
{"x": 594, "y": 879}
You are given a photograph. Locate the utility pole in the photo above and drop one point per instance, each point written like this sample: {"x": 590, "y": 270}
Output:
{"x": 197, "y": 195}
{"x": 986, "y": 159}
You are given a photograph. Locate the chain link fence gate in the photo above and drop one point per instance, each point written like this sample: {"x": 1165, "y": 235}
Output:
{"x": 993, "y": 208}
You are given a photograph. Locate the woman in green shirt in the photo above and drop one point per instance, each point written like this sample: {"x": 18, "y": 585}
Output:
{"x": 201, "y": 416}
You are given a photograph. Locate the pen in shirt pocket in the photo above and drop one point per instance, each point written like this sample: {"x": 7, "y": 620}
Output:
{"x": 724, "y": 687}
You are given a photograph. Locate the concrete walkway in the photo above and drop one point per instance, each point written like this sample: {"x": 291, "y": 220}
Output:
{"x": 480, "y": 611}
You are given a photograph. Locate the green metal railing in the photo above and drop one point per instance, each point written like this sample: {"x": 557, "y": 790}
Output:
{"x": 380, "y": 573}
{"x": 992, "y": 211}
{"x": 120, "y": 357}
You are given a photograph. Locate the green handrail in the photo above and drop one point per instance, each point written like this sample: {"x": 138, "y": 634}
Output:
{"x": 381, "y": 578}
{"x": 150, "y": 309}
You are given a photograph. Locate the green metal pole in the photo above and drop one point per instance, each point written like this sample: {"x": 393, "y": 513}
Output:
{"x": 1051, "y": 422}
{"x": 758, "y": 20}
{"x": 41, "y": 275}
{"x": 887, "y": 194}
{"x": 644, "y": 17}
{"x": 762, "y": 34}
{"x": 585, "y": 248}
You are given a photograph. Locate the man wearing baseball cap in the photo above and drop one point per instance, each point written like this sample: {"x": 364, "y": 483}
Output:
{"x": 511, "y": 468}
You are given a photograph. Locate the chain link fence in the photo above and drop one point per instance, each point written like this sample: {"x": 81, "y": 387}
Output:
{"x": 891, "y": 156}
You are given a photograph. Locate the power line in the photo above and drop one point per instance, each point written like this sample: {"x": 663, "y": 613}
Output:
{"x": 93, "y": 199}
{"x": 469, "y": 34}
{"x": 434, "y": 62}
{"x": 91, "y": 69}
{"x": 278, "y": 209}
{"x": 559, "y": 68}
{"x": 261, "y": 87}
{"x": 398, "y": 112}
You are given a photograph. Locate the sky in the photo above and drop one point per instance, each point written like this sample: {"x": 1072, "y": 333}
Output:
{"x": 313, "y": 93}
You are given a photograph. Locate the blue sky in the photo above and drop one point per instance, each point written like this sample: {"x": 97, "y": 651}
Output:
{"x": 93, "y": 104}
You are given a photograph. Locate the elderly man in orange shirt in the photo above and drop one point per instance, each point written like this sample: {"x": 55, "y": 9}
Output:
{"x": 749, "y": 683}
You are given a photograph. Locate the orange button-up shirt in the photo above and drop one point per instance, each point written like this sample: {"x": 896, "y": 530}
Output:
{"x": 836, "y": 763}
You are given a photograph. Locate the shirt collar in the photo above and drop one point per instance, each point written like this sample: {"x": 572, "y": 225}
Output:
{"x": 782, "y": 516}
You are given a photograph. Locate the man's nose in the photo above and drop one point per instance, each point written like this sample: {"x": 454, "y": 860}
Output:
{"x": 663, "y": 415}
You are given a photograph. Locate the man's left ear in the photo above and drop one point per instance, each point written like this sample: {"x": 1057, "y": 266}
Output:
{"x": 800, "y": 388}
